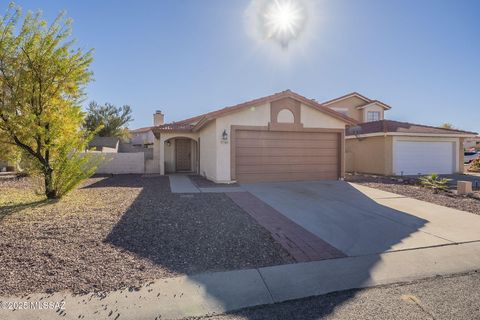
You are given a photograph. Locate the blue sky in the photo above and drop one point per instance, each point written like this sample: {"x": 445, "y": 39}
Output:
{"x": 189, "y": 57}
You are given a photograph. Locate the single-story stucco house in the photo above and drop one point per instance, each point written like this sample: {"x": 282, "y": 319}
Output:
{"x": 283, "y": 137}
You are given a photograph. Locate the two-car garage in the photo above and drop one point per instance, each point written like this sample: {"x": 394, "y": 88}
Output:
{"x": 286, "y": 155}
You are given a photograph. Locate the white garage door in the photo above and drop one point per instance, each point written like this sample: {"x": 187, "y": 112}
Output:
{"x": 423, "y": 157}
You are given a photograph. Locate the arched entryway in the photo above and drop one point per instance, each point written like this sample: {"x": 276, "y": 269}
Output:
{"x": 181, "y": 155}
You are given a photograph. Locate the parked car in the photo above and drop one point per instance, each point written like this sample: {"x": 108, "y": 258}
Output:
{"x": 470, "y": 156}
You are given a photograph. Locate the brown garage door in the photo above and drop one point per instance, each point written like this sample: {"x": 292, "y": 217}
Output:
{"x": 286, "y": 156}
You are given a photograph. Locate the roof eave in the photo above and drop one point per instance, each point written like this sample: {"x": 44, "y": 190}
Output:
{"x": 383, "y": 105}
{"x": 412, "y": 134}
{"x": 346, "y": 96}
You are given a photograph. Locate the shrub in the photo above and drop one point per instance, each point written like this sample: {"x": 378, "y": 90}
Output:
{"x": 434, "y": 182}
{"x": 72, "y": 168}
{"x": 475, "y": 165}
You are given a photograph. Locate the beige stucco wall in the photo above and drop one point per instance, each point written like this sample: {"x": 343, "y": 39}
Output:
{"x": 255, "y": 116}
{"x": 461, "y": 155}
{"x": 208, "y": 151}
{"x": 170, "y": 156}
{"x": 369, "y": 155}
{"x": 349, "y": 105}
{"x": 312, "y": 118}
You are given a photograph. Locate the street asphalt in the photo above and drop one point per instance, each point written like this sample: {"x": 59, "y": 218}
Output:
{"x": 448, "y": 297}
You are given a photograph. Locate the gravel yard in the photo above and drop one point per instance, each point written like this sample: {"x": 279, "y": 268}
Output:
{"x": 119, "y": 232}
{"x": 411, "y": 188}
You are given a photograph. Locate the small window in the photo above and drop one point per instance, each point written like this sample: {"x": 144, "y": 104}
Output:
{"x": 373, "y": 116}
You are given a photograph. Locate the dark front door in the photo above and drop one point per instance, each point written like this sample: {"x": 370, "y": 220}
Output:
{"x": 183, "y": 156}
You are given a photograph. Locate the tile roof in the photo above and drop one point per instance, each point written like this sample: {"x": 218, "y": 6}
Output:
{"x": 284, "y": 94}
{"x": 172, "y": 127}
{"x": 389, "y": 126}
{"x": 140, "y": 130}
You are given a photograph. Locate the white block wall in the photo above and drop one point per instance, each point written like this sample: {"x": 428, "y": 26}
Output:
{"x": 122, "y": 163}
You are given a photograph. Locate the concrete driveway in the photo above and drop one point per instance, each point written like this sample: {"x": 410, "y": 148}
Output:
{"x": 359, "y": 220}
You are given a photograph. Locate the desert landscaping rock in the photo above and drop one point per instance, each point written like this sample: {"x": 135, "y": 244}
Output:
{"x": 123, "y": 231}
{"x": 410, "y": 188}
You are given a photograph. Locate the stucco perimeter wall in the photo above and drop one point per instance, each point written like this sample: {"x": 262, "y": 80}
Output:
{"x": 122, "y": 163}
{"x": 208, "y": 151}
{"x": 369, "y": 155}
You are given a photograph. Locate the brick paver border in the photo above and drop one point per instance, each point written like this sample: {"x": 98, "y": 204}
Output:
{"x": 303, "y": 245}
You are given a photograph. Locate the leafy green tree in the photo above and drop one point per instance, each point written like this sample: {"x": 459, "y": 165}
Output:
{"x": 108, "y": 120}
{"x": 42, "y": 81}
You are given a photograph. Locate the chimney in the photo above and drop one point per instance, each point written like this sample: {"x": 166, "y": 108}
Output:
{"x": 158, "y": 118}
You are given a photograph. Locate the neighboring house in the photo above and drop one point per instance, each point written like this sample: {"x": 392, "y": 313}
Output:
{"x": 104, "y": 144}
{"x": 471, "y": 143}
{"x": 6, "y": 166}
{"x": 389, "y": 147}
{"x": 144, "y": 137}
{"x": 358, "y": 107}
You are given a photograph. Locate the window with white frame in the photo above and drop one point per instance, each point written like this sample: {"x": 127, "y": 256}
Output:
{"x": 373, "y": 116}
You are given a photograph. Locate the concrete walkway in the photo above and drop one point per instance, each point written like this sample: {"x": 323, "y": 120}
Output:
{"x": 181, "y": 183}
{"x": 203, "y": 294}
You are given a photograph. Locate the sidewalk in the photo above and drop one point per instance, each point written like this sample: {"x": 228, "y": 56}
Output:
{"x": 218, "y": 292}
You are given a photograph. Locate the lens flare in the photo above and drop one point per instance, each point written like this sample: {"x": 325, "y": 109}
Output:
{"x": 283, "y": 20}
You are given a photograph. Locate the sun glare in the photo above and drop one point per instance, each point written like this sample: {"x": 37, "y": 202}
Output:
{"x": 284, "y": 20}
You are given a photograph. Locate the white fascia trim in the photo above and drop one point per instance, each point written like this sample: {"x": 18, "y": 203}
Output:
{"x": 407, "y": 134}
{"x": 346, "y": 97}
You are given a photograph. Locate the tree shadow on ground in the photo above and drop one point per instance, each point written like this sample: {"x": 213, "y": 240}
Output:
{"x": 189, "y": 233}
{"x": 14, "y": 208}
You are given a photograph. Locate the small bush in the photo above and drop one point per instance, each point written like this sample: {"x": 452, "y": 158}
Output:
{"x": 434, "y": 182}
{"x": 475, "y": 165}
{"x": 72, "y": 168}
